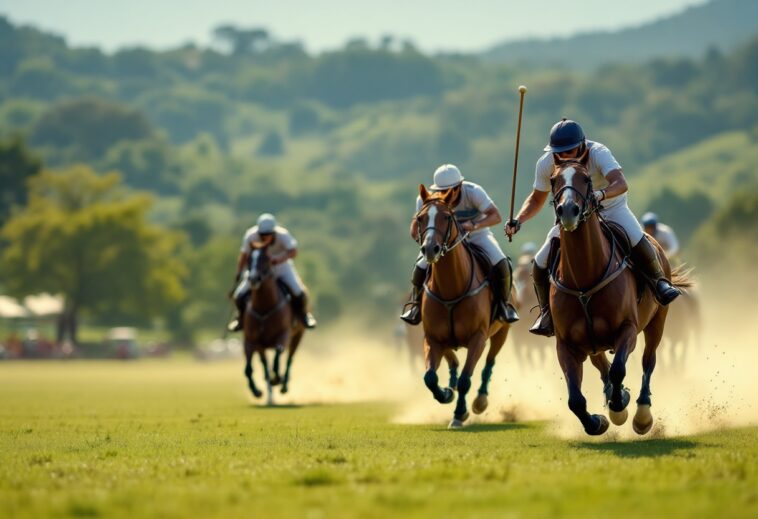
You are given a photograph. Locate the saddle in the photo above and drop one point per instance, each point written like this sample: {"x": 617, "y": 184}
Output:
{"x": 614, "y": 233}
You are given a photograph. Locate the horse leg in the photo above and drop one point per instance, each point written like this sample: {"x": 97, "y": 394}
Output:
{"x": 496, "y": 344}
{"x": 270, "y": 395}
{"x": 249, "y": 370}
{"x": 452, "y": 363}
{"x": 643, "y": 419}
{"x": 294, "y": 343}
{"x": 571, "y": 364}
{"x": 276, "y": 379}
{"x": 433, "y": 357}
{"x": 474, "y": 351}
{"x": 600, "y": 361}
{"x": 620, "y": 397}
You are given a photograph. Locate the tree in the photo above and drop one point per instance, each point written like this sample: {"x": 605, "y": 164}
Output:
{"x": 83, "y": 236}
{"x": 91, "y": 126}
{"x": 17, "y": 166}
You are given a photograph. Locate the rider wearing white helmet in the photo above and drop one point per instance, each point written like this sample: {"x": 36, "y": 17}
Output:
{"x": 476, "y": 212}
{"x": 567, "y": 141}
{"x": 283, "y": 248}
{"x": 662, "y": 233}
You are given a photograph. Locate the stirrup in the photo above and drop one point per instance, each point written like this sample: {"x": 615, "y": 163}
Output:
{"x": 309, "y": 321}
{"x": 412, "y": 315}
{"x": 507, "y": 313}
{"x": 235, "y": 325}
{"x": 665, "y": 292}
{"x": 543, "y": 326}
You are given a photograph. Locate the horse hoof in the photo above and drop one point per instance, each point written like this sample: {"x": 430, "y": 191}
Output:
{"x": 643, "y": 419}
{"x": 618, "y": 418}
{"x": 602, "y": 425}
{"x": 284, "y": 390}
{"x": 449, "y": 396}
{"x": 480, "y": 404}
{"x": 461, "y": 418}
{"x": 455, "y": 424}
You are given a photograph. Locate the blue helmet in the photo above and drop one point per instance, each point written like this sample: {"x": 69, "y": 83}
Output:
{"x": 565, "y": 135}
{"x": 649, "y": 219}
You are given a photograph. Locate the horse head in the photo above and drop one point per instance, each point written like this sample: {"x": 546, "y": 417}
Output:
{"x": 572, "y": 193}
{"x": 436, "y": 223}
{"x": 260, "y": 265}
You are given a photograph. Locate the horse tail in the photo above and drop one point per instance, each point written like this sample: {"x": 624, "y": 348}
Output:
{"x": 681, "y": 277}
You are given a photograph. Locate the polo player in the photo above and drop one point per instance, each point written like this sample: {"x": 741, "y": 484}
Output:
{"x": 283, "y": 248}
{"x": 476, "y": 212}
{"x": 567, "y": 141}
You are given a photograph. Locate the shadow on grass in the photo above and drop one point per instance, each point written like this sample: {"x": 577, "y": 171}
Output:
{"x": 489, "y": 427}
{"x": 282, "y": 406}
{"x": 641, "y": 449}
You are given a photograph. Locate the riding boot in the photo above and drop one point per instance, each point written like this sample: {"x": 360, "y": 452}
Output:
{"x": 544, "y": 323}
{"x": 412, "y": 309}
{"x": 646, "y": 259}
{"x": 501, "y": 284}
{"x": 300, "y": 307}
{"x": 240, "y": 302}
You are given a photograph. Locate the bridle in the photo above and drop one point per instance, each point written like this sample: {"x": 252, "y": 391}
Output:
{"x": 451, "y": 221}
{"x": 588, "y": 201}
{"x": 261, "y": 274}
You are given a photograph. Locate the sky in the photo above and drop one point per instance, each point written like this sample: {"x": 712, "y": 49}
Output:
{"x": 433, "y": 25}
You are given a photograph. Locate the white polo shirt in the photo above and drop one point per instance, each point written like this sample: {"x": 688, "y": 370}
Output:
{"x": 283, "y": 241}
{"x": 601, "y": 162}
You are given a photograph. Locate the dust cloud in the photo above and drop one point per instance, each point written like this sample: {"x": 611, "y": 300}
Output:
{"x": 710, "y": 384}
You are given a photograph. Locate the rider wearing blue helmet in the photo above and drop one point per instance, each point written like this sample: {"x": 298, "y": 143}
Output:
{"x": 567, "y": 141}
{"x": 662, "y": 233}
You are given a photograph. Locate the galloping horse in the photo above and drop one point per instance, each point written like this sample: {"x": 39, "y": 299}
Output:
{"x": 457, "y": 306}
{"x": 268, "y": 323}
{"x": 596, "y": 305}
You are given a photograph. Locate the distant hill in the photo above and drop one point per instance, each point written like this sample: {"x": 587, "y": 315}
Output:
{"x": 723, "y": 24}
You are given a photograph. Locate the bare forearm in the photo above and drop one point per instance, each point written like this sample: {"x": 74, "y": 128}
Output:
{"x": 532, "y": 206}
{"x": 616, "y": 184}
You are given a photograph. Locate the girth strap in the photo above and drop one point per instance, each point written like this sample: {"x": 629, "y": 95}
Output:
{"x": 585, "y": 296}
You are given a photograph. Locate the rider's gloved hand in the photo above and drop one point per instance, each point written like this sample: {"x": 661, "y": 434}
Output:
{"x": 512, "y": 227}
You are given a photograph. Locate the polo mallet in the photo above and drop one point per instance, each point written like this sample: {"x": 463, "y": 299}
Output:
{"x": 511, "y": 221}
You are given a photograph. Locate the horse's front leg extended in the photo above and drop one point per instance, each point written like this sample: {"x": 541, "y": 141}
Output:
{"x": 249, "y": 370}
{"x": 571, "y": 364}
{"x": 474, "y": 351}
{"x": 433, "y": 357}
{"x": 624, "y": 346}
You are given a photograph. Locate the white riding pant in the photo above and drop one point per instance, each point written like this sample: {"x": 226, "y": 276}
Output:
{"x": 620, "y": 214}
{"x": 484, "y": 239}
{"x": 284, "y": 271}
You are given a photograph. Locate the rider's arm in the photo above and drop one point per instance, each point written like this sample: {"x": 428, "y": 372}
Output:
{"x": 489, "y": 217}
{"x": 616, "y": 185}
{"x": 529, "y": 209}
{"x": 281, "y": 258}
{"x": 241, "y": 263}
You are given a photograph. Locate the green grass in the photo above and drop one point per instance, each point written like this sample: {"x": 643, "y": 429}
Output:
{"x": 179, "y": 439}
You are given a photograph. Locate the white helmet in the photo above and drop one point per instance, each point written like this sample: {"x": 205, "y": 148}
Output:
{"x": 445, "y": 177}
{"x": 266, "y": 223}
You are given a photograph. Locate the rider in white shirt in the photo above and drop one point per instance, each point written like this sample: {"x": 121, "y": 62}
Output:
{"x": 282, "y": 248}
{"x": 567, "y": 141}
{"x": 662, "y": 233}
{"x": 477, "y": 212}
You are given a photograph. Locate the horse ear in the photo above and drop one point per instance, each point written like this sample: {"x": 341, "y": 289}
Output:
{"x": 423, "y": 193}
{"x": 556, "y": 160}
{"x": 585, "y": 158}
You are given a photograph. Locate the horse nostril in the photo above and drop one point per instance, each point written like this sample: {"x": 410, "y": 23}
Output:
{"x": 437, "y": 249}
{"x": 559, "y": 210}
{"x": 423, "y": 250}
{"x": 575, "y": 210}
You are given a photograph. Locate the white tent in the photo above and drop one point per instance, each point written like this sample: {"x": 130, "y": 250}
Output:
{"x": 10, "y": 309}
{"x": 44, "y": 305}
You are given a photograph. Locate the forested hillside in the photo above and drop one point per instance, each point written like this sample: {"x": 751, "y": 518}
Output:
{"x": 336, "y": 144}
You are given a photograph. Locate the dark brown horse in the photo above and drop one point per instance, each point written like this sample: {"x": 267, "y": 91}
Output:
{"x": 595, "y": 305}
{"x": 456, "y": 308}
{"x": 268, "y": 324}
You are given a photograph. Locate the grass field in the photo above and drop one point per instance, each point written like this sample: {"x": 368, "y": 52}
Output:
{"x": 179, "y": 438}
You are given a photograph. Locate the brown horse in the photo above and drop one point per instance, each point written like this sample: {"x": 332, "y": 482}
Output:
{"x": 457, "y": 306}
{"x": 596, "y": 307}
{"x": 268, "y": 323}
